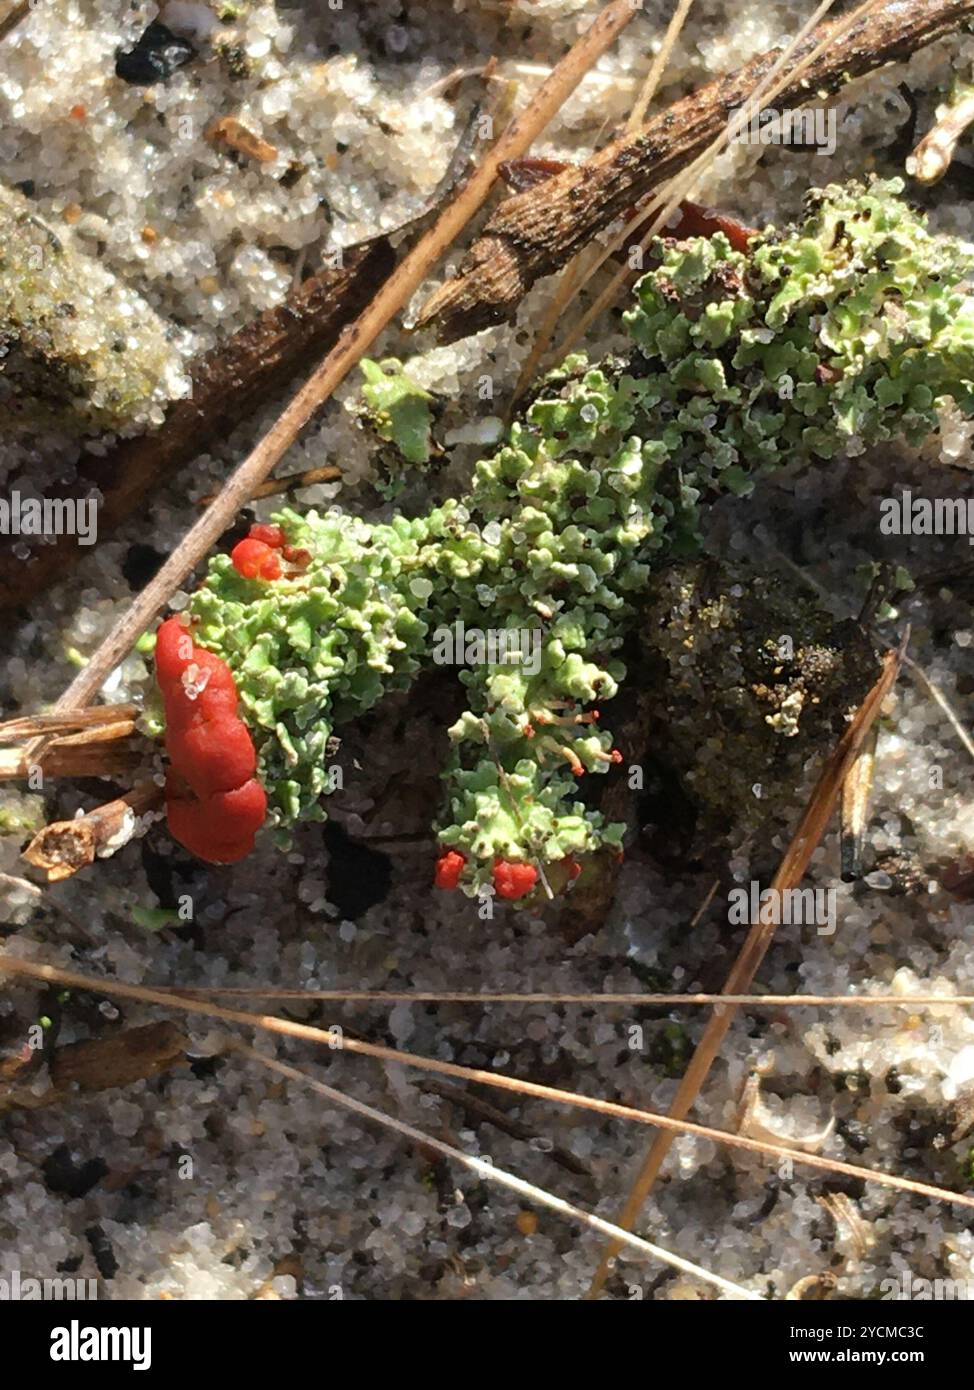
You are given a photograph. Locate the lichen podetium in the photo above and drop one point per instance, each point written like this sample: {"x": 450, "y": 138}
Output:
{"x": 849, "y": 329}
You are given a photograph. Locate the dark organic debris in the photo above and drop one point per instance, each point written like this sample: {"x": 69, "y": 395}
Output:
{"x": 103, "y": 1251}
{"x": 139, "y": 564}
{"x": 69, "y": 1177}
{"x": 358, "y": 876}
{"x": 157, "y": 55}
{"x": 958, "y": 878}
{"x": 768, "y": 702}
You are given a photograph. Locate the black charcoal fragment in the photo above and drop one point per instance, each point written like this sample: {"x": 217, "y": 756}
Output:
{"x": 157, "y": 55}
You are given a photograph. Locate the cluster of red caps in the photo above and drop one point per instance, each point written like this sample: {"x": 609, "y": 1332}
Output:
{"x": 214, "y": 803}
{"x": 512, "y": 879}
{"x": 260, "y": 554}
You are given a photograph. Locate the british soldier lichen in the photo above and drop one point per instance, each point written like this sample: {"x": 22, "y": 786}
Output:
{"x": 830, "y": 337}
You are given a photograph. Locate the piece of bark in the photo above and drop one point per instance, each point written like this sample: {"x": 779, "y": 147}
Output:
{"x": 99, "y": 1064}
{"x": 96, "y": 742}
{"x": 134, "y": 1055}
{"x": 66, "y": 723}
{"x": 229, "y": 382}
{"x": 66, "y": 759}
{"x": 66, "y": 846}
{"x": 535, "y": 233}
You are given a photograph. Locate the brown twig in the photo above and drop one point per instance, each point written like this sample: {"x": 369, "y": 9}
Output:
{"x": 630, "y": 999}
{"x": 354, "y": 342}
{"x": 274, "y": 487}
{"x": 66, "y": 846}
{"x": 489, "y": 1114}
{"x": 933, "y": 155}
{"x": 790, "y": 873}
{"x": 856, "y": 797}
{"x": 95, "y": 758}
{"x": 575, "y": 273}
{"x": 13, "y": 17}
{"x": 920, "y": 678}
{"x": 68, "y": 722}
{"x": 96, "y": 742}
{"x": 637, "y": 115}
{"x": 535, "y": 233}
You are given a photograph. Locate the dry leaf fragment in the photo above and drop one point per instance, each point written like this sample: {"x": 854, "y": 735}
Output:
{"x": 228, "y": 131}
{"x": 755, "y": 1121}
